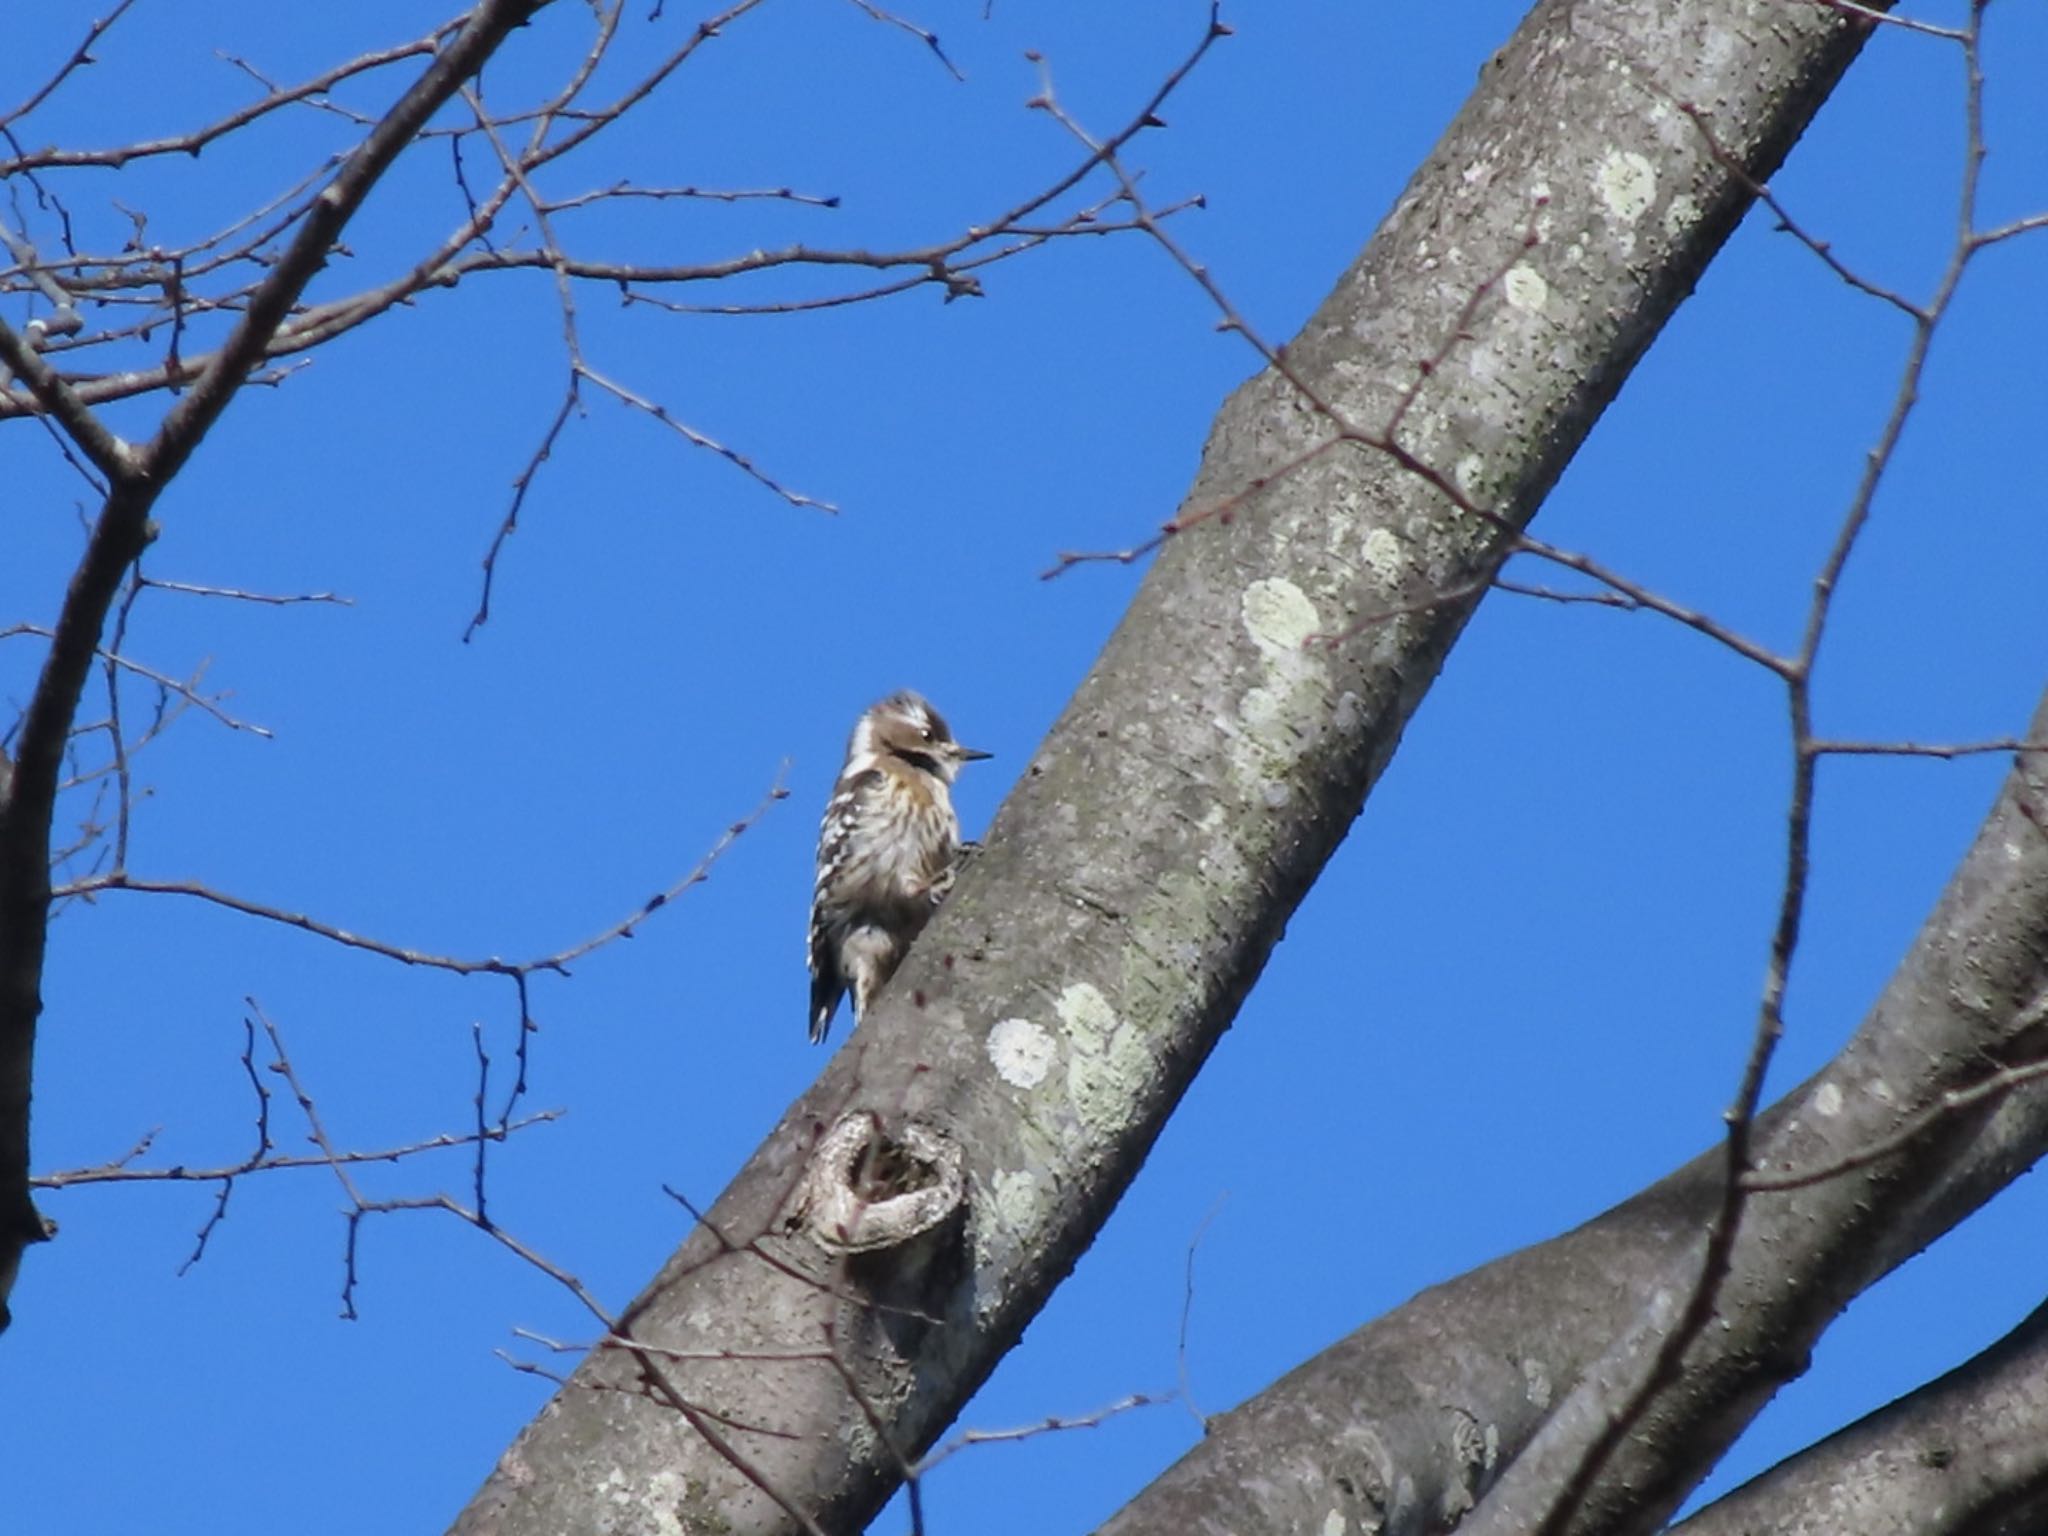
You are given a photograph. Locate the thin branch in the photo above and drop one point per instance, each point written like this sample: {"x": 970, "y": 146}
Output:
{"x": 110, "y": 455}
{"x": 929, "y": 39}
{"x": 1051, "y": 1424}
{"x": 1639, "y": 596}
{"x": 691, "y": 435}
{"x": 523, "y": 483}
{"x": 195, "y": 141}
{"x": 1762, "y": 192}
{"x": 269, "y": 598}
{"x": 119, "y": 1172}
{"x": 78, "y": 59}
{"x": 624, "y": 189}
{"x": 557, "y": 962}
{"x": 1187, "y": 1312}
{"x": 1952, "y": 1103}
{"x": 1875, "y": 18}
{"x": 1824, "y": 747}
{"x": 458, "y": 258}
{"x": 1716, "y": 1262}
{"x": 188, "y": 691}
{"x": 223, "y": 374}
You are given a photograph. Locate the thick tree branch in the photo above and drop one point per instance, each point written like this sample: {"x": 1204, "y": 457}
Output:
{"x": 61, "y": 402}
{"x": 1527, "y": 1357}
{"x": 1137, "y": 877}
{"x": 27, "y": 807}
{"x": 1967, "y": 1453}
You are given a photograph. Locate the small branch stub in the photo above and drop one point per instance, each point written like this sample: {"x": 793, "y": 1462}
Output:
{"x": 869, "y": 1188}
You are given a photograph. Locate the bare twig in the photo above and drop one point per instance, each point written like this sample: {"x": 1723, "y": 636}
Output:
{"x": 1949, "y": 1105}
{"x": 1187, "y": 1313}
{"x": 1051, "y": 1424}
{"x": 78, "y": 59}
{"x": 559, "y": 127}
{"x": 557, "y": 962}
{"x": 193, "y": 142}
{"x": 929, "y": 39}
{"x": 1797, "y": 672}
{"x": 697, "y": 439}
{"x": 120, "y": 1171}
{"x": 188, "y": 689}
{"x": 268, "y": 598}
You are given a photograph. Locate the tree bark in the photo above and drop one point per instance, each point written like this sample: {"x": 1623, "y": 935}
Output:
{"x": 1472, "y": 1404}
{"x": 769, "y": 1379}
{"x": 1965, "y": 1454}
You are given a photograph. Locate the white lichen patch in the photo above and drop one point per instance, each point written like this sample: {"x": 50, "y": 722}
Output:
{"x": 663, "y": 1504}
{"x": 1681, "y": 214}
{"x": 1019, "y": 1199}
{"x": 1469, "y": 472}
{"x": 1627, "y": 183}
{"x": 1524, "y": 288}
{"x": 1827, "y": 1101}
{"x": 1261, "y": 708}
{"x": 1536, "y": 1382}
{"x": 654, "y": 1503}
{"x": 1334, "y": 1524}
{"x": 858, "y": 1436}
{"x": 1384, "y": 556}
{"x": 1021, "y": 1052}
{"x": 1280, "y": 711}
{"x": 1085, "y": 1012}
{"x": 1106, "y": 1062}
{"x": 1278, "y": 616}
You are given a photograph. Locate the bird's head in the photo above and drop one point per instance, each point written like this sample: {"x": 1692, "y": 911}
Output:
{"x": 905, "y": 726}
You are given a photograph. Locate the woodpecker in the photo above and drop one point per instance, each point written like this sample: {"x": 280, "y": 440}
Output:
{"x": 887, "y": 851}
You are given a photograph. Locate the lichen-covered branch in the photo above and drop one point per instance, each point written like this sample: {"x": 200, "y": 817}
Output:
{"x": 1965, "y": 1453}
{"x": 1138, "y": 876}
{"x": 1475, "y": 1399}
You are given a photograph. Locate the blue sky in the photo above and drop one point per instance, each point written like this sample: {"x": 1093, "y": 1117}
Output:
{"x": 1523, "y": 989}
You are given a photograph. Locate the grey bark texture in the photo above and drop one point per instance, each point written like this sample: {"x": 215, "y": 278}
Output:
{"x": 1473, "y": 1403}
{"x": 1965, "y": 1454}
{"x": 1135, "y": 880}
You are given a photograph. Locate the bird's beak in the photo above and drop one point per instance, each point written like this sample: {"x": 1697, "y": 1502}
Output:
{"x": 971, "y": 754}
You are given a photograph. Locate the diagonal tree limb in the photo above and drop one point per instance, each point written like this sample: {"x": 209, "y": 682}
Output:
{"x": 1965, "y": 1453}
{"x": 112, "y": 456}
{"x": 1138, "y": 876}
{"x": 1480, "y": 1392}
